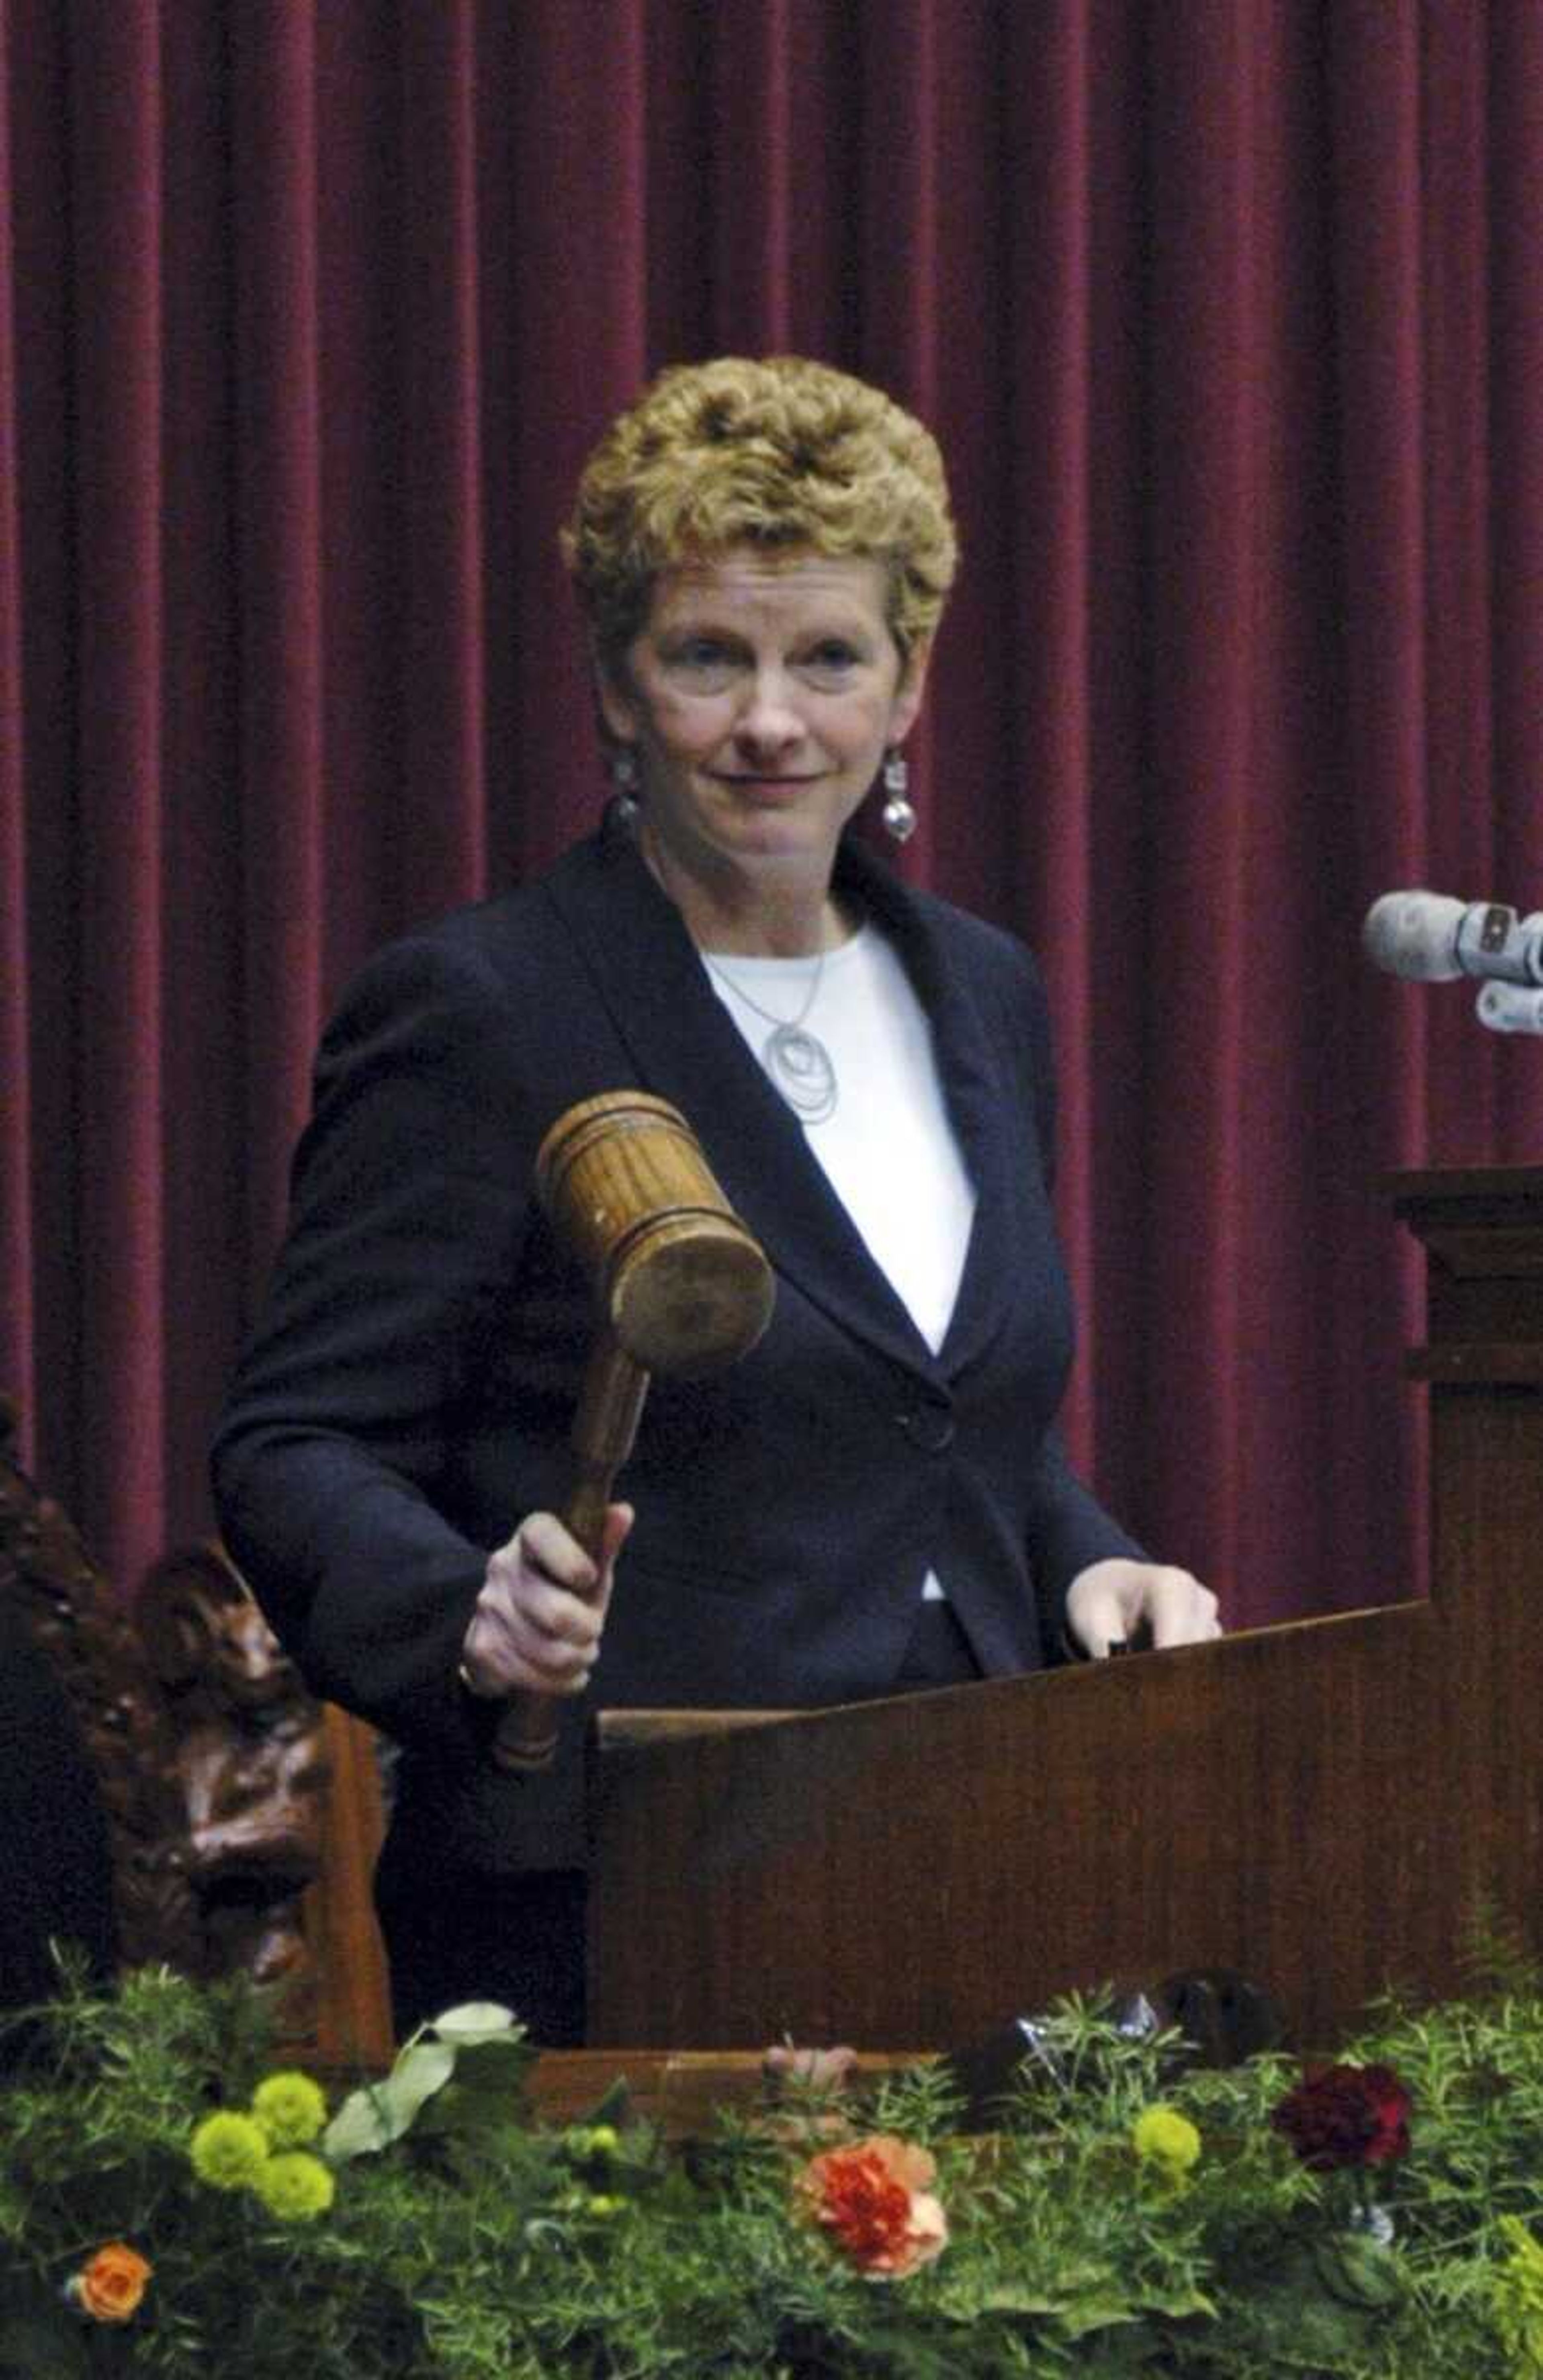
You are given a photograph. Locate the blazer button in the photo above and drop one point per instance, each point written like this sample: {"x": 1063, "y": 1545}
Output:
{"x": 929, "y": 1425}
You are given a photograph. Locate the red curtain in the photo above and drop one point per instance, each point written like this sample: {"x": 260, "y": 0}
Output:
{"x": 1228, "y": 315}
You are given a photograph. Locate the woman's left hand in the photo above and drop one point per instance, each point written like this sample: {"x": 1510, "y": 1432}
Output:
{"x": 1120, "y": 1602}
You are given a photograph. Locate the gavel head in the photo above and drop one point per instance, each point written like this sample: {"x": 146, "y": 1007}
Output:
{"x": 685, "y": 1287}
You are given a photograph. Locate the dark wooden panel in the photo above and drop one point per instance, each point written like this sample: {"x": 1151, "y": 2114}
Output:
{"x": 353, "y": 2011}
{"x": 916, "y": 1871}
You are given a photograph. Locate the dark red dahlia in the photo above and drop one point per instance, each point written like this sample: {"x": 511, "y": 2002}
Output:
{"x": 1341, "y": 2116}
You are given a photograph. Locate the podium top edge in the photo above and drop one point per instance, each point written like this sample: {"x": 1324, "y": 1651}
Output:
{"x": 1442, "y": 1183}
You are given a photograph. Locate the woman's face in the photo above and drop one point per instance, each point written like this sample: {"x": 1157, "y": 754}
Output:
{"x": 759, "y": 699}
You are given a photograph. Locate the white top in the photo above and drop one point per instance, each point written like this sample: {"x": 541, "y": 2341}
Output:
{"x": 889, "y": 1147}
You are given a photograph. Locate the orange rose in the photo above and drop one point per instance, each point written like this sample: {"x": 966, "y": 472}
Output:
{"x": 875, "y": 2197}
{"x": 112, "y": 2285}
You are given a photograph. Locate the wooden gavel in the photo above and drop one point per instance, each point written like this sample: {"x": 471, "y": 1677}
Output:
{"x": 684, "y": 1289}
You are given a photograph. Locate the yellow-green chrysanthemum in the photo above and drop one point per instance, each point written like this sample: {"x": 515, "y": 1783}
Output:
{"x": 591, "y": 2144}
{"x": 1164, "y": 2138}
{"x": 291, "y": 2109}
{"x": 295, "y": 2186}
{"x": 229, "y": 2150}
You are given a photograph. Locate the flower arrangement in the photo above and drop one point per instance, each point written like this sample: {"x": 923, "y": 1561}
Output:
{"x": 170, "y": 2207}
{"x": 875, "y": 2198}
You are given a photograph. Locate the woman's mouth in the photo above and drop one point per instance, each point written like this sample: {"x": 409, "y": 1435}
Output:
{"x": 750, "y": 782}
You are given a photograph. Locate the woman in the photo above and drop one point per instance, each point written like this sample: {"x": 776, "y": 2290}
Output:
{"x": 875, "y": 1498}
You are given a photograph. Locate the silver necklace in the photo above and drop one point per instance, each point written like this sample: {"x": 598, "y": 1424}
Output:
{"x": 798, "y": 1060}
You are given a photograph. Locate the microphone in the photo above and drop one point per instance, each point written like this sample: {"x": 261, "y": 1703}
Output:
{"x": 1429, "y": 938}
{"x": 1506, "y": 1008}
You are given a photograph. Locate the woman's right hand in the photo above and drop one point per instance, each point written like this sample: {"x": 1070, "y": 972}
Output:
{"x": 538, "y": 1619}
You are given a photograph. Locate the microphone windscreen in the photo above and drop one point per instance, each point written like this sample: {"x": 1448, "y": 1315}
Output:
{"x": 1414, "y": 934}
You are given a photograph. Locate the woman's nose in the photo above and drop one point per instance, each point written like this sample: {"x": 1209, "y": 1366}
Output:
{"x": 769, "y": 715}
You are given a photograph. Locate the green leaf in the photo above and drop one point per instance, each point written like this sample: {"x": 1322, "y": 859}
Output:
{"x": 481, "y": 2043}
{"x": 475, "y": 2021}
{"x": 1006, "y": 2297}
{"x": 1179, "y": 2305}
{"x": 1359, "y": 2270}
{"x": 1094, "y": 2310}
{"x": 359, "y": 2126}
{"x": 370, "y": 2119}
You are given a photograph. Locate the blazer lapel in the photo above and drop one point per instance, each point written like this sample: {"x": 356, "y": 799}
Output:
{"x": 973, "y": 1090}
{"x": 687, "y": 1048}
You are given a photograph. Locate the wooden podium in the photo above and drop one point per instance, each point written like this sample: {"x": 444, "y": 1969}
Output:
{"x": 1323, "y": 1807}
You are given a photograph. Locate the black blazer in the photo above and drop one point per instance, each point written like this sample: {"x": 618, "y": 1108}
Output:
{"x": 408, "y": 1394}
{"x": 55, "y": 1851}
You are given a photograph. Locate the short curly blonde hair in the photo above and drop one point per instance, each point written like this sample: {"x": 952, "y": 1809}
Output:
{"x": 781, "y": 451}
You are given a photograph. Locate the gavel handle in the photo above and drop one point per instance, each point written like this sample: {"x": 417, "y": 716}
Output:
{"x": 601, "y": 1441}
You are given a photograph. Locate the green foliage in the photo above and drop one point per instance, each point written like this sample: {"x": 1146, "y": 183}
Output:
{"x": 466, "y": 2241}
{"x": 479, "y": 2050}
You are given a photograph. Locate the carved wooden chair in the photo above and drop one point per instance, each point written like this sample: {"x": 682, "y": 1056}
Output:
{"x": 242, "y": 1817}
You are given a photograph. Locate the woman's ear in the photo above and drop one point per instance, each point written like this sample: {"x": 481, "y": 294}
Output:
{"x": 614, "y": 700}
{"x": 614, "y": 722}
{"x": 617, "y": 715}
{"x": 910, "y": 692}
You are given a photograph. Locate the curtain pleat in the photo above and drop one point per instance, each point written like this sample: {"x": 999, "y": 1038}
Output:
{"x": 199, "y": 1093}
{"x": 1510, "y": 403}
{"x": 570, "y": 284}
{"x": 37, "y": 1103}
{"x": 118, "y": 196}
{"x": 1214, "y": 760}
{"x": 753, "y": 208}
{"x": 442, "y": 856}
{"x": 287, "y": 719}
{"x": 1229, "y": 321}
{"x": 1053, "y": 165}
{"x": 18, "y": 1251}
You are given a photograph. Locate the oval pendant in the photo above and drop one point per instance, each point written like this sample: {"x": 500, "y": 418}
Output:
{"x": 801, "y": 1066}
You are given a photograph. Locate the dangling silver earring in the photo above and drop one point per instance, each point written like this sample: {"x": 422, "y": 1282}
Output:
{"x": 900, "y": 819}
{"x": 622, "y": 762}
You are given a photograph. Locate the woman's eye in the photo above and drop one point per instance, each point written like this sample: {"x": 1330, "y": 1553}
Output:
{"x": 703, "y": 660}
{"x": 833, "y": 657}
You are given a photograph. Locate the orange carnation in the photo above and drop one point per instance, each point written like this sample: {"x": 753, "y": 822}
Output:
{"x": 875, "y": 2197}
{"x": 112, "y": 2285}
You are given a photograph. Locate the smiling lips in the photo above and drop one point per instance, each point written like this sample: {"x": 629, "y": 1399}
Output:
{"x": 754, "y": 778}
